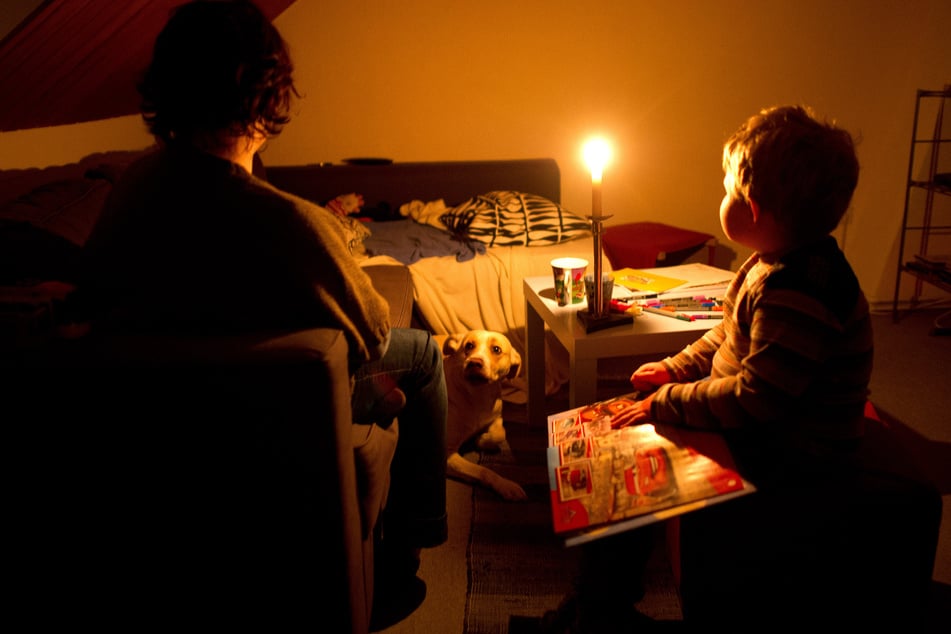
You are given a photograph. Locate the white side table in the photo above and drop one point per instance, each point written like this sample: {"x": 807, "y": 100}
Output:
{"x": 648, "y": 334}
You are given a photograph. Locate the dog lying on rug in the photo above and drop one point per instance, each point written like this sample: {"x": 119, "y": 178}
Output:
{"x": 475, "y": 364}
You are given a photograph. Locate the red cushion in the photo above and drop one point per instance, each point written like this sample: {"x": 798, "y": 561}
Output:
{"x": 639, "y": 244}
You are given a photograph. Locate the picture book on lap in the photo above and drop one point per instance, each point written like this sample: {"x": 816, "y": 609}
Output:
{"x": 605, "y": 480}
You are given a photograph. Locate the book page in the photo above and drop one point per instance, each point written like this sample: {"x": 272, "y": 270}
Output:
{"x": 681, "y": 280}
{"x": 697, "y": 274}
{"x": 649, "y": 281}
{"x": 603, "y": 478}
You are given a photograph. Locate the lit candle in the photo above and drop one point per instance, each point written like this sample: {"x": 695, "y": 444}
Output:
{"x": 596, "y": 193}
{"x": 596, "y": 155}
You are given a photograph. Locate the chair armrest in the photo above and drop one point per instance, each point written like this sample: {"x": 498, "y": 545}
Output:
{"x": 395, "y": 283}
{"x": 227, "y": 461}
{"x": 156, "y": 351}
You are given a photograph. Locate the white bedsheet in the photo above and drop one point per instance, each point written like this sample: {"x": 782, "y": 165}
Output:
{"x": 486, "y": 293}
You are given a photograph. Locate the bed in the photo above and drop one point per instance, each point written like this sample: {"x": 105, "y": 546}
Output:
{"x": 460, "y": 282}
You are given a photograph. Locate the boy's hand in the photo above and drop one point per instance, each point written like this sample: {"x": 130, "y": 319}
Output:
{"x": 649, "y": 376}
{"x": 638, "y": 413}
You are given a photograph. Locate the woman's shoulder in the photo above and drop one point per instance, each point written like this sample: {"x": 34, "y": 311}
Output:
{"x": 308, "y": 217}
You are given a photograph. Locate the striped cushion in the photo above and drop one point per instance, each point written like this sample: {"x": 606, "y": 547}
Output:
{"x": 509, "y": 218}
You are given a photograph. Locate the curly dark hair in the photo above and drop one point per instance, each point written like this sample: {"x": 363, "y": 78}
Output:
{"x": 218, "y": 67}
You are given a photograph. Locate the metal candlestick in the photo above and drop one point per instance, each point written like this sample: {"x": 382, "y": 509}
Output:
{"x": 596, "y": 317}
{"x": 597, "y": 228}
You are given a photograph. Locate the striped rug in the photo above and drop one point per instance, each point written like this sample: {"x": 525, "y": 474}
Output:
{"x": 518, "y": 568}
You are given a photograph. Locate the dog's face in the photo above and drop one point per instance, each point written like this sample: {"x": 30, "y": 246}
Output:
{"x": 485, "y": 356}
{"x": 475, "y": 363}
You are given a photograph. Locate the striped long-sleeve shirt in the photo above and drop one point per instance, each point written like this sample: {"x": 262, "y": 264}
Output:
{"x": 792, "y": 356}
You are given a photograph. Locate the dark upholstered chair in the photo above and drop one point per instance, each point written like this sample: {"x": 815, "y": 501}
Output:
{"x": 212, "y": 481}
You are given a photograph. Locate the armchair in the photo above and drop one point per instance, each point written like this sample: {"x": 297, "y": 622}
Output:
{"x": 214, "y": 480}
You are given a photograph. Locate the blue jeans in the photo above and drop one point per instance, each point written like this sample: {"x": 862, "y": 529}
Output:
{"x": 415, "y": 512}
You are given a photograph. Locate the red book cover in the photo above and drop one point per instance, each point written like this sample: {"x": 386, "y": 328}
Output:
{"x": 605, "y": 480}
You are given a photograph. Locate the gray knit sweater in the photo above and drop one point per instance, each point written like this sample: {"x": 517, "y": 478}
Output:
{"x": 190, "y": 243}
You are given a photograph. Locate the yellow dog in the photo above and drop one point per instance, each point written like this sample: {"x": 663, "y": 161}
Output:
{"x": 475, "y": 364}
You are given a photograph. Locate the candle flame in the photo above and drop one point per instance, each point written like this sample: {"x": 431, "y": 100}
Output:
{"x": 597, "y": 153}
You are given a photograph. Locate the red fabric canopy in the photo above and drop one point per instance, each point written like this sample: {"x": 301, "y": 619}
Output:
{"x": 72, "y": 61}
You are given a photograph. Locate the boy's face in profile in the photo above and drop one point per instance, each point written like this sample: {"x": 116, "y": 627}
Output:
{"x": 736, "y": 216}
{"x": 749, "y": 225}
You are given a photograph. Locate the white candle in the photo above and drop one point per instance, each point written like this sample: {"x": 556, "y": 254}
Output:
{"x": 596, "y": 154}
{"x": 596, "y": 193}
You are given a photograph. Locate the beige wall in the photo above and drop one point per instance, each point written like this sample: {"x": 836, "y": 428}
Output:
{"x": 667, "y": 82}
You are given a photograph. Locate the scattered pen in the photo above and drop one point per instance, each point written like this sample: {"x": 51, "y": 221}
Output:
{"x": 697, "y": 306}
{"x": 666, "y": 313}
{"x": 707, "y": 316}
{"x": 684, "y": 306}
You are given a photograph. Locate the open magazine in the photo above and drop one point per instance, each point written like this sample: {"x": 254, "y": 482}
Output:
{"x": 605, "y": 480}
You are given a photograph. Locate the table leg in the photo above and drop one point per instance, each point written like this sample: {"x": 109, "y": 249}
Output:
{"x": 535, "y": 367}
{"x": 583, "y": 382}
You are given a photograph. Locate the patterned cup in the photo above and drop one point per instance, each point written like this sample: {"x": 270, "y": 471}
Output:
{"x": 569, "y": 280}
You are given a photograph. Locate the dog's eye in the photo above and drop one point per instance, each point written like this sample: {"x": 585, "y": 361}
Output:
{"x": 497, "y": 349}
{"x": 469, "y": 345}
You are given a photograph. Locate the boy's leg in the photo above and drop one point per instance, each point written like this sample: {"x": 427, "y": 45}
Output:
{"x": 610, "y": 579}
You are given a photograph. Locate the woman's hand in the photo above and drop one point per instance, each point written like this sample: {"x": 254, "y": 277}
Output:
{"x": 638, "y": 413}
{"x": 650, "y": 376}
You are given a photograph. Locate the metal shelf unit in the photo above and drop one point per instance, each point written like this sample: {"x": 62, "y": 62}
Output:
{"x": 927, "y": 213}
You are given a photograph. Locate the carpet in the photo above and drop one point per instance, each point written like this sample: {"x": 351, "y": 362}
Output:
{"x": 518, "y": 568}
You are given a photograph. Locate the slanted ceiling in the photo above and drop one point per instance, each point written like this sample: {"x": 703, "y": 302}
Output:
{"x": 71, "y": 61}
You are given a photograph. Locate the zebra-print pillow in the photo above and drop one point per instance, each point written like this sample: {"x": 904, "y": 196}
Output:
{"x": 509, "y": 218}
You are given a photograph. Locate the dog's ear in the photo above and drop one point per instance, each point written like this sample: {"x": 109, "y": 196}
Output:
{"x": 515, "y": 365}
{"x": 452, "y": 343}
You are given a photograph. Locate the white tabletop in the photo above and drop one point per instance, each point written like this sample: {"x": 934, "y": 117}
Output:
{"x": 648, "y": 334}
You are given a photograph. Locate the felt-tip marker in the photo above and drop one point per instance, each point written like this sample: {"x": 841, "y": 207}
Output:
{"x": 667, "y": 313}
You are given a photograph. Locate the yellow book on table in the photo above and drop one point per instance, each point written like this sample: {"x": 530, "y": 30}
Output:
{"x": 647, "y": 281}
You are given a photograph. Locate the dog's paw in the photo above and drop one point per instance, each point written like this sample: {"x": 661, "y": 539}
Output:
{"x": 508, "y": 489}
{"x": 492, "y": 440}
{"x": 488, "y": 445}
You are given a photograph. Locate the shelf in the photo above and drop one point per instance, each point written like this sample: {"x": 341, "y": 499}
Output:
{"x": 935, "y": 279}
{"x": 938, "y": 230}
{"x": 918, "y": 217}
{"x": 938, "y": 188}
{"x": 938, "y": 277}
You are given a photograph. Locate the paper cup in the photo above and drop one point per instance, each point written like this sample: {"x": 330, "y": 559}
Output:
{"x": 569, "y": 280}
{"x": 607, "y": 290}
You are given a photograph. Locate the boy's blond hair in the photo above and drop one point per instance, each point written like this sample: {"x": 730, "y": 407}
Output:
{"x": 796, "y": 167}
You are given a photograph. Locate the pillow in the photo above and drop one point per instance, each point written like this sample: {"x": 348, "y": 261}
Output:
{"x": 42, "y": 232}
{"x": 29, "y": 255}
{"x": 67, "y": 208}
{"x": 511, "y": 218}
{"x": 354, "y": 233}
{"x": 345, "y": 204}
